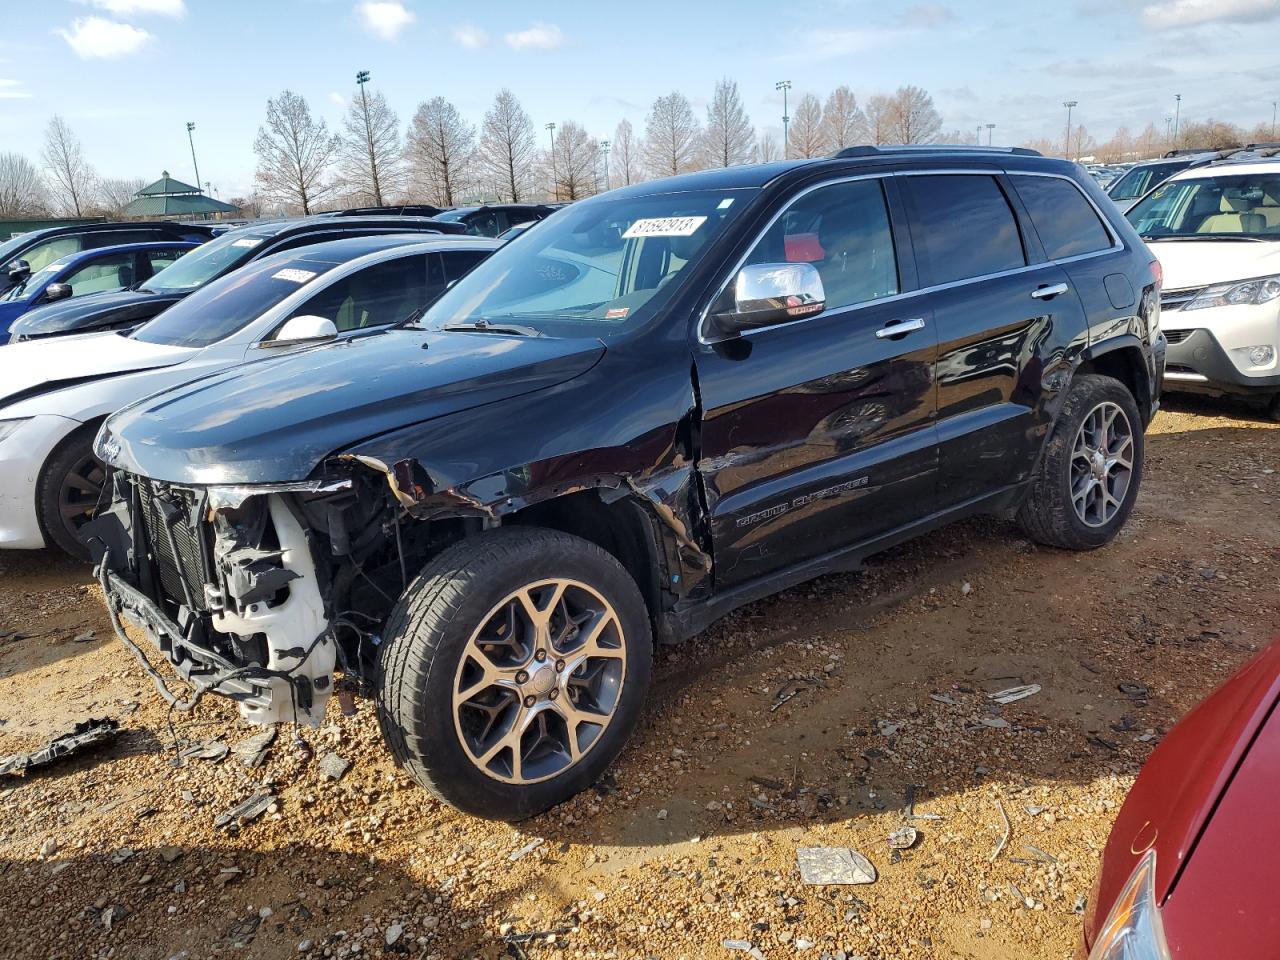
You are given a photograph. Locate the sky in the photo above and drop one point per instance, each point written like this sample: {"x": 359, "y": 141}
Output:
{"x": 127, "y": 75}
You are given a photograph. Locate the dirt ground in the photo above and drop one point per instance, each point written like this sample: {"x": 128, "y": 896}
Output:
{"x": 800, "y": 721}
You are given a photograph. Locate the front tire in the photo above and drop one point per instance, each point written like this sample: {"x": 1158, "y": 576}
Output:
{"x": 1091, "y": 468}
{"x": 68, "y": 491}
{"x": 515, "y": 668}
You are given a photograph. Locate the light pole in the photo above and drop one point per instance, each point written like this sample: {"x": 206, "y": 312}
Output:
{"x": 362, "y": 77}
{"x": 784, "y": 86}
{"x": 604, "y": 148}
{"x": 1177, "y": 115}
{"x": 978, "y": 136}
{"x": 1069, "y": 104}
{"x": 1273, "y": 119}
{"x": 190, "y": 139}
{"x": 990, "y": 128}
{"x": 555, "y": 183}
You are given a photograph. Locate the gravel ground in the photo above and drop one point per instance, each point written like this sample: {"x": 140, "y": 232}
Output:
{"x": 801, "y": 721}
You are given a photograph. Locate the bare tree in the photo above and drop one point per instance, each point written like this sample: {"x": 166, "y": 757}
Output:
{"x": 577, "y": 159}
{"x": 879, "y": 119}
{"x": 808, "y": 138}
{"x": 729, "y": 138}
{"x": 441, "y": 147}
{"x": 295, "y": 152}
{"x": 1210, "y": 134}
{"x": 71, "y": 178}
{"x": 912, "y": 117}
{"x": 770, "y": 149}
{"x": 507, "y": 146}
{"x": 369, "y": 154}
{"x": 843, "y": 122}
{"x": 671, "y": 136}
{"x": 626, "y": 154}
{"x": 22, "y": 189}
{"x": 115, "y": 193}
{"x": 1149, "y": 142}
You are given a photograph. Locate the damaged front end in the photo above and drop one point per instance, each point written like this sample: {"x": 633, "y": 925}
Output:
{"x": 251, "y": 591}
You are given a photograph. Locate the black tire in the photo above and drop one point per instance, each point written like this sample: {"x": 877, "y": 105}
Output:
{"x": 1048, "y": 514}
{"x": 64, "y": 500}
{"x": 431, "y": 628}
{"x": 1273, "y": 411}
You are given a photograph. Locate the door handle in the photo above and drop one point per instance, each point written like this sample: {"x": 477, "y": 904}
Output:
{"x": 899, "y": 327}
{"x": 1049, "y": 291}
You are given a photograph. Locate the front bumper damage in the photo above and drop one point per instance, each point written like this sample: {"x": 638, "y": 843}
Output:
{"x": 230, "y": 596}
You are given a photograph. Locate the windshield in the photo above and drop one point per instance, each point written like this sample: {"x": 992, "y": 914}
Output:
{"x": 453, "y": 216}
{"x": 598, "y": 265}
{"x": 205, "y": 262}
{"x": 1141, "y": 179}
{"x": 11, "y": 246}
{"x": 34, "y": 282}
{"x": 228, "y": 304}
{"x": 1240, "y": 206}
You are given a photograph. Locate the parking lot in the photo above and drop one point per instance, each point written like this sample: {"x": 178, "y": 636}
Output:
{"x": 800, "y": 721}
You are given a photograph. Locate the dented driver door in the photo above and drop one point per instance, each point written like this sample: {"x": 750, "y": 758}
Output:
{"x": 819, "y": 434}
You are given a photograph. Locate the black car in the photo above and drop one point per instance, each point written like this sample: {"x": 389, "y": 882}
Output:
{"x": 1142, "y": 178}
{"x": 233, "y": 249}
{"x": 493, "y": 219}
{"x": 28, "y": 253}
{"x": 661, "y": 404}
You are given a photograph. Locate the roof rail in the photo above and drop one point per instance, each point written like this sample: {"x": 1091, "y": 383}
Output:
{"x": 870, "y": 150}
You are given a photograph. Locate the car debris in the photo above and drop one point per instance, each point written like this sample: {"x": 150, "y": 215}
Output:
{"x": 1004, "y": 838}
{"x": 253, "y": 750}
{"x": 333, "y": 766}
{"x": 943, "y": 698}
{"x": 85, "y": 637}
{"x": 528, "y": 848}
{"x": 243, "y": 812}
{"x": 212, "y": 750}
{"x": 904, "y": 838}
{"x": 833, "y": 865}
{"x": 79, "y": 738}
{"x": 1133, "y": 690}
{"x": 1013, "y": 694}
{"x": 909, "y": 807}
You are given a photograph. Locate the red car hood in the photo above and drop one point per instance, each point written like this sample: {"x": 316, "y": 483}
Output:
{"x": 1180, "y": 786}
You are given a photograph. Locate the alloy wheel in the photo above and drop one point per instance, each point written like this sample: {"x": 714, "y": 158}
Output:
{"x": 1101, "y": 464}
{"x": 539, "y": 681}
{"x": 80, "y": 492}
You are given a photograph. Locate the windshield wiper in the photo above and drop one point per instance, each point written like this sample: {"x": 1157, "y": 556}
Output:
{"x": 1202, "y": 236}
{"x": 414, "y": 316}
{"x": 484, "y": 326}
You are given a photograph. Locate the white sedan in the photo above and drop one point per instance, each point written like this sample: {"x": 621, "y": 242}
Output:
{"x": 54, "y": 394}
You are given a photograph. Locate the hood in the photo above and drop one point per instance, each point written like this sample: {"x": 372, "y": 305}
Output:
{"x": 275, "y": 420}
{"x": 1183, "y": 781}
{"x": 115, "y": 308}
{"x": 1199, "y": 263}
{"x": 27, "y": 369}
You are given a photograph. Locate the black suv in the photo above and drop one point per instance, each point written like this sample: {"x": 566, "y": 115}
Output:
{"x": 218, "y": 257}
{"x": 665, "y": 402}
{"x": 28, "y": 253}
{"x": 495, "y": 219}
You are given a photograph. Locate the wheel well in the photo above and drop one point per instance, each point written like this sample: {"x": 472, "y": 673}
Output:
{"x": 1124, "y": 364}
{"x": 620, "y": 528}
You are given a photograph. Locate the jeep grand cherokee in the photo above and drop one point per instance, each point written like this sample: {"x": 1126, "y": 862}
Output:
{"x": 665, "y": 402}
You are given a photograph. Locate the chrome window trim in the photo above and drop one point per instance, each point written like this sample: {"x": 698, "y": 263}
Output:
{"x": 1117, "y": 245}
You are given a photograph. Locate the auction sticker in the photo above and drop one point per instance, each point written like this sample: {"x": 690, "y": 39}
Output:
{"x": 246, "y": 242}
{"x": 289, "y": 273}
{"x": 664, "y": 227}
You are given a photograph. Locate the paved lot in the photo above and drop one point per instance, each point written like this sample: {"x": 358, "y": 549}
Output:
{"x": 680, "y": 848}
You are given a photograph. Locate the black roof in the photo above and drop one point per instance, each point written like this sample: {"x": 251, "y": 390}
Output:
{"x": 277, "y": 228}
{"x": 349, "y": 248}
{"x": 94, "y": 226}
{"x": 400, "y": 210}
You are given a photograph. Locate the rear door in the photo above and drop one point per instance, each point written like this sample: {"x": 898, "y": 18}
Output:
{"x": 1007, "y": 322}
{"x": 819, "y": 434}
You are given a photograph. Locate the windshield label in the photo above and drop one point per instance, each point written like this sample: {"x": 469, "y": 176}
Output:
{"x": 246, "y": 242}
{"x": 289, "y": 273}
{"x": 616, "y": 313}
{"x": 664, "y": 227}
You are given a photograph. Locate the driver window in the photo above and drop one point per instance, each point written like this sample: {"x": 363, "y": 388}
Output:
{"x": 107, "y": 273}
{"x": 43, "y": 254}
{"x": 375, "y": 296}
{"x": 844, "y": 231}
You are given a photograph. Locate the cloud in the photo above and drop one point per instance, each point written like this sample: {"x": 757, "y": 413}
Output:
{"x": 541, "y": 36}
{"x": 925, "y": 15}
{"x": 125, "y": 8}
{"x": 12, "y": 90}
{"x": 96, "y": 38}
{"x": 1185, "y": 13}
{"x": 830, "y": 44}
{"x": 470, "y": 37}
{"x": 384, "y": 18}
{"x": 338, "y": 100}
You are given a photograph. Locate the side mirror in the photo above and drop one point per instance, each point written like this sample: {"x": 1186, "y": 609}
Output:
{"x": 56, "y": 291}
{"x": 765, "y": 294}
{"x": 303, "y": 329}
{"x": 19, "y": 270}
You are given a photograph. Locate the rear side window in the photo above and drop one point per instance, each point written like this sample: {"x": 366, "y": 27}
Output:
{"x": 1065, "y": 221}
{"x": 375, "y": 296}
{"x": 962, "y": 226}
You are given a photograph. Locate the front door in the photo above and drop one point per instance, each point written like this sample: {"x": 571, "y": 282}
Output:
{"x": 818, "y": 434}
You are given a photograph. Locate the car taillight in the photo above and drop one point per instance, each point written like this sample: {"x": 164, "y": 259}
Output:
{"x": 1159, "y": 272}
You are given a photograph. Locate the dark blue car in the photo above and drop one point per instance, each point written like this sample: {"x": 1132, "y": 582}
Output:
{"x": 91, "y": 271}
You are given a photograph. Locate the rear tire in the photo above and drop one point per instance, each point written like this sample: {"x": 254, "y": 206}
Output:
{"x": 1089, "y": 475}
{"x": 69, "y": 491}
{"x": 515, "y": 668}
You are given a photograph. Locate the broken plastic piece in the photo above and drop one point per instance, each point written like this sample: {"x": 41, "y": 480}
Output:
{"x": 829, "y": 865}
{"x": 80, "y": 737}
{"x": 244, "y": 811}
{"x": 1015, "y": 693}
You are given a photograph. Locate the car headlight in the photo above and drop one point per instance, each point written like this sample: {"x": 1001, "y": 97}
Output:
{"x": 1261, "y": 290}
{"x": 1133, "y": 930}
{"x": 8, "y": 427}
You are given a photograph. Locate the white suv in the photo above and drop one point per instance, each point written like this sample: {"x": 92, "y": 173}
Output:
{"x": 1216, "y": 232}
